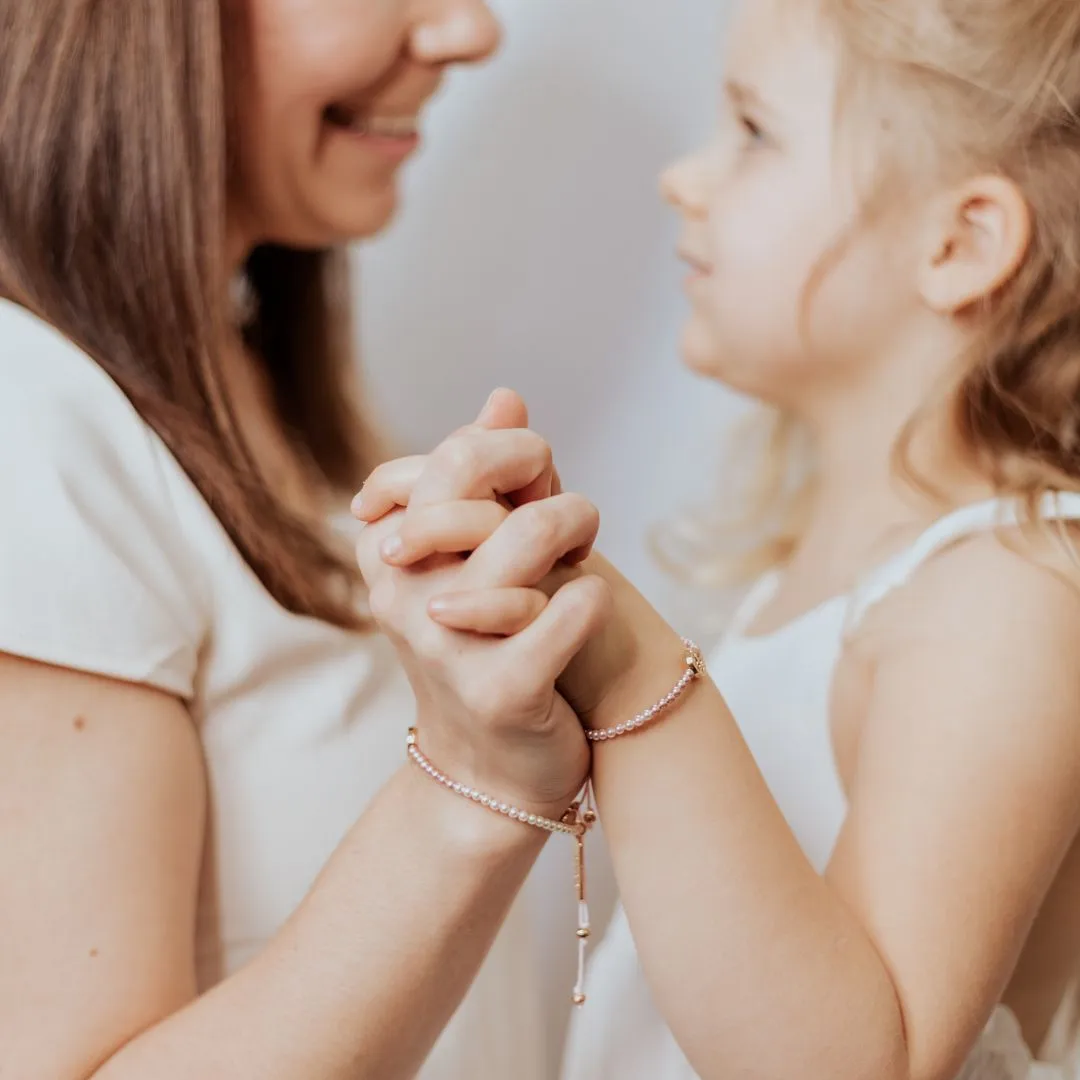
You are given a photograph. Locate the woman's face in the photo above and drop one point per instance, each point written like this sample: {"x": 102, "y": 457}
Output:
{"x": 329, "y": 98}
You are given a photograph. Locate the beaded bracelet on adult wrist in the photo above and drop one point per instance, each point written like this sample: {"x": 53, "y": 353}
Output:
{"x": 581, "y": 814}
{"x": 576, "y": 822}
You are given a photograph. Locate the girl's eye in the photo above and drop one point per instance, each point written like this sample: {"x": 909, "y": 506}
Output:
{"x": 752, "y": 129}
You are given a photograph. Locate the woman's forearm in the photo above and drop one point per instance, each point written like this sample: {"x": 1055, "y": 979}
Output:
{"x": 361, "y": 981}
{"x": 757, "y": 966}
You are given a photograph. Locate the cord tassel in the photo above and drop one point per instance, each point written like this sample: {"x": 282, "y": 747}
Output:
{"x": 585, "y": 820}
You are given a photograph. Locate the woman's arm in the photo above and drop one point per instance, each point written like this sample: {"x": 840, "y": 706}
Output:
{"x": 102, "y": 816}
{"x": 102, "y": 797}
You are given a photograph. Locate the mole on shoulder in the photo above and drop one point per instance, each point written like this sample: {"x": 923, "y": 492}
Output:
{"x": 79, "y": 723}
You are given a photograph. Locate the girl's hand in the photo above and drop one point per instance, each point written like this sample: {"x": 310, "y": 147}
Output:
{"x": 489, "y": 715}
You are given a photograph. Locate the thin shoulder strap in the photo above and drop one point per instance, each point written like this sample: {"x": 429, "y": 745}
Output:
{"x": 951, "y": 529}
{"x": 759, "y": 595}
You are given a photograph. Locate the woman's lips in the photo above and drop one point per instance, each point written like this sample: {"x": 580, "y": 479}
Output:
{"x": 395, "y": 136}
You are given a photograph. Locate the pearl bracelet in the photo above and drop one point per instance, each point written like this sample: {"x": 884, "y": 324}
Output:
{"x": 581, "y": 815}
{"x": 695, "y": 669}
{"x": 576, "y": 822}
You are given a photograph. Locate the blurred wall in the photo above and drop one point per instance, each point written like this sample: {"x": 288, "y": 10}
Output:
{"x": 532, "y": 251}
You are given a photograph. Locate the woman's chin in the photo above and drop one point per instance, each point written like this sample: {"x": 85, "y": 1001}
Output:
{"x": 347, "y": 218}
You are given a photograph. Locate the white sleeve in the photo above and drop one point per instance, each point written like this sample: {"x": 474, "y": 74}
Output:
{"x": 93, "y": 572}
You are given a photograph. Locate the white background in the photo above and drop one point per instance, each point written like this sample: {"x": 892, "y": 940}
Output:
{"x": 533, "y": 252}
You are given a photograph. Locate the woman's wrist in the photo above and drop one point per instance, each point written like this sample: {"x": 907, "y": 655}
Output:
{"x": 469, "y": 831}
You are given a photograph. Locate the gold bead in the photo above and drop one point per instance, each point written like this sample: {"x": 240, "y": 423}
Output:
{"x": 579, "y": 999}
{"x": 589, "y": 817}
{"x": 583, "y": 932}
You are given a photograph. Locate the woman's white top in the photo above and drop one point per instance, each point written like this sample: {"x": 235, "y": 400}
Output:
{"x": 111, "y": 562}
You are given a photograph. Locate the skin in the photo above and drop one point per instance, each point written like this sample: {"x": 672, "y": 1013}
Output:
{"x": 108, "y": 778}
{"x": 954, "y": 884}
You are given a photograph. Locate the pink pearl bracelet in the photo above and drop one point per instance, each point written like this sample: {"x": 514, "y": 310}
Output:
{"x": 695, "y": 669}
{"x": 576, "y": 822}
{"x": 581, "y": 815}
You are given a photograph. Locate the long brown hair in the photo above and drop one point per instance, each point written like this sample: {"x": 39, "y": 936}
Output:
{"x": 114, "y": 151}
{"x": 989, "y": 86}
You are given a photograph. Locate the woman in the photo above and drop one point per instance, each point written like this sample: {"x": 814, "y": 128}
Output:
{"x": 198, "y": 720}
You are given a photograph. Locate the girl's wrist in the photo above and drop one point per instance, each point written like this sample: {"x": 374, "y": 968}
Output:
{"x": 631, "y": 664}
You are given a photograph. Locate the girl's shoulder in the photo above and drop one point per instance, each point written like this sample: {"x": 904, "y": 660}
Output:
{"x": 985, "y": 627}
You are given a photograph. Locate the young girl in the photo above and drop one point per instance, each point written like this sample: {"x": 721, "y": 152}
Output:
{"x": 213, "y": 862}
{"x": 867, "y": 869}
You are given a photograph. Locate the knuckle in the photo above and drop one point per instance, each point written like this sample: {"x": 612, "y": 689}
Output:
{"x": 589, "y": 599}
{"x": 539, "y": 525}
{"x": 543, "y": 450}
{"x": 459, "y": 456}
{"x": 420, "y": 525}
{"x": 376, "y": 477}
{"x": 597, "y": 597}
{"x": 497, "y": 512}
{"x": 581, "y": 508}
{"x": 529, "y": 605}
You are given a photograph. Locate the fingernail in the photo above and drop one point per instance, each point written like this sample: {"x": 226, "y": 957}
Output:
{"x": 393, "y": 547}
{"x": 488, "y": 404}
{"x": 357, "y": 504}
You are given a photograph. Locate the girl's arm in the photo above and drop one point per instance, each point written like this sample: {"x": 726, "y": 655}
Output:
{"x": 965, "y": 799}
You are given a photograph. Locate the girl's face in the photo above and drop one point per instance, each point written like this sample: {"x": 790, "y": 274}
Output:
{"x": 784, "y": 293}
{"x": 328, "y": 99}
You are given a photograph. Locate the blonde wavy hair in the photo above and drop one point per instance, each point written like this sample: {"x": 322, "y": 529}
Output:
{"x": 984, "y": 86}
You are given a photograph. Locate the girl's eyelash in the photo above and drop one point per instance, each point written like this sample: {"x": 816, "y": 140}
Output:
{"x": 751, "y": 127}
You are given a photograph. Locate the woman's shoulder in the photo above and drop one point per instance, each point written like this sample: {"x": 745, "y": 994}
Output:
{"x": 50, "y": 387}
{"x": 96, "y": 569}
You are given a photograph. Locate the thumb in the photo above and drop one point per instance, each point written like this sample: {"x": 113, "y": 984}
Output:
{"x": 504, "y": 409}
{"x": 507, "y": 409}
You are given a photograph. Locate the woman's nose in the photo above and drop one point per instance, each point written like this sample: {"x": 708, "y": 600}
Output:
{"x": 455, "y": 31}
